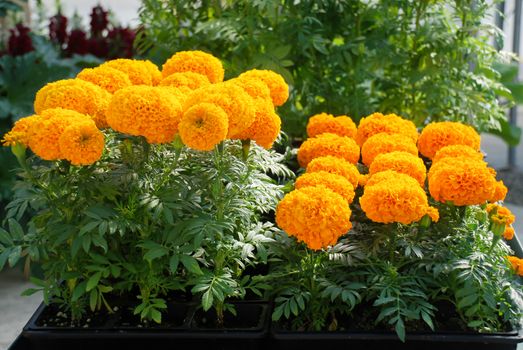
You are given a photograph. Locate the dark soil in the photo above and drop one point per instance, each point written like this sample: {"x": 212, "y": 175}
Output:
{"x": 363, "y": 317}
{"x": 248, "y": 316}
{"x": 121, "y": 317}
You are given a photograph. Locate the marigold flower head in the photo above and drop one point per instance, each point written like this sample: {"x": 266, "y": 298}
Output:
{"x": 256, "y": 88}
{"x": 336, "y": 166}
{"x": 396, "y": 199}
{"x": 454, "y": 151}
{"x": 315, "y": 215}
{"x": 433, "y": 213}
{"x": 336, "y": 183}
{"x": 328, "y": 145}
{"x": 377, "y": 123}
{"x": 203, "y": 126}
{"x": 500, "y": 214}
{"x": 107, "y": 78}
{"x": 46, "y": 131}
{"x": 435, "y": 136}
{"x": 186, "y": 81}
{"x": 81, "y": 143}
{"x": 390, "y": 175}
{"x": 266, "y": 126}
{"x": 176, "y": 92}
{"x": 75, "y": 94}
{"x": 147, "y": 111}
{"x": 197, "y": 62}
{"x": 277, "y": 86}
{"x": 462, "y": 181}
{"x": 516, "y": 264}
{"x": 21, "y": 131}
{"x": 139, "y": 72}
{"x": 509, "y": 233}
{"x": 386, "y": 143}
{"x": 402, "y": 162}
{"x": 238, "y": 105}
{"x": 500, "y": 192}
{"x": 156, "y": 75}
{"x": 323, "y": 122}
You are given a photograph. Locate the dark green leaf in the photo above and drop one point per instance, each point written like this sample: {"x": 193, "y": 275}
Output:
{"x": 207, "y": 300}
{"x": 191, "y": 264}
{"x": 16, "y": 230}
{"x": 93, "y": 281}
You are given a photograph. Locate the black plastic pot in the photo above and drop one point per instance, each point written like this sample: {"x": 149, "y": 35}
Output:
{"x": 249, "y": 331}
{"x": 290, "y": 340}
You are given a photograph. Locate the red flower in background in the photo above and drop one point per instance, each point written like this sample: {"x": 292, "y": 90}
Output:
{"x": 99, "y": 21}
{"x": 104, "y": 41}
{"x": 122, "y": 40}
{"x": 77, "y": 43}
{"x": 19, "y": 42}
{"x": 99, "y": 47}
{"x": 58, "y": 28}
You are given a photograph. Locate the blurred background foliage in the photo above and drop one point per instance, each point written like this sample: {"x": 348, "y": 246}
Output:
{"x": 426, "y": 60}
{"x": 51, "y": 49}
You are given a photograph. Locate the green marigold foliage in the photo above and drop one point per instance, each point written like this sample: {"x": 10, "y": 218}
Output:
{"x": 145, "y": 221}
{"x": 424, "y": 60}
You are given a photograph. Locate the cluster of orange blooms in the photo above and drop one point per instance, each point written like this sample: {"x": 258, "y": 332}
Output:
{"x": 516, "y": 264}
{"x": 188, "y": 97}
{"x": 396, "y": 184}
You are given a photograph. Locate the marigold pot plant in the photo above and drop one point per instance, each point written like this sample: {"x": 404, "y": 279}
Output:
{"x": 147, "y": 185}
{"x": 412, "y": 238}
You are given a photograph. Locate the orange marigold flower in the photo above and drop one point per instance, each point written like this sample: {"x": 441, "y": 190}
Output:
{"x": 500, "y": 192}
{"x": 402, "y": 162}
{"x": 454, "y": 151}
{"x": 395, "y": 199}
{"x": 203, "y": 126}
{"x": 197, "y": 62}
{"x": 336, "y": 183}
{"x": 176, "y": 92}
{"x": 238, "y": 105}
{"x": 254, "y": 87}
{"x": 107, "y": 78}
{"x": 314, "y": 215}
{"x": 435, "y": 136}
{"x": 139, "y": 72}
{"x": 266, "y": 126}
{"x": 377, "y": 123}
{"x": 186, "y": 81}
{"x": 147, "y": 111}
{"x": 386, "y": 143}
{"x": 21, "y": 131}
{"x": 328, "y": 145}
{"x": 75, "y": 94}
{"x": 336, "y": 166}
{"x": 462, "y": 181}
{"x": 154, "y": 71}
{"x": 278, "y": 87}
{"x": 509, "y": 233}
{"x": 323, "y": 122}
{"x": 500, "y": 215}
{"x": 390, "y": 175}
{"x": 516, "y": 264}
{"x": 81, "y": 143}
{"x": 47, "y": 129}
{"x": 433, "y": 213}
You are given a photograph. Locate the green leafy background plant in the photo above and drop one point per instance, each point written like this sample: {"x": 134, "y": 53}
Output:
{"x": 433, "y": 61}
